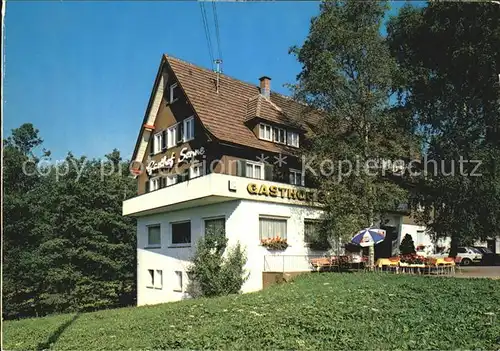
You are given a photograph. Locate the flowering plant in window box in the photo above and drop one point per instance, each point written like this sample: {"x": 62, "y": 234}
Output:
{"x": 275, "y": 243}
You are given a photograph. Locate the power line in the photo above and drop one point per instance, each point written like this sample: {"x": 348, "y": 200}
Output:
{"x": 207, "y": 31}
{"x": 217, "y": 36}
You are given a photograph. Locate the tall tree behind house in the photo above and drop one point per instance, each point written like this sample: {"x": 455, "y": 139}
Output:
{"x": 450, "y": 59}
{"x": 349, "y": 74}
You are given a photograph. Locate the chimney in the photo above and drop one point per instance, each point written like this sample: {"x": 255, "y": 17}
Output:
{"x": 265, "y": 86}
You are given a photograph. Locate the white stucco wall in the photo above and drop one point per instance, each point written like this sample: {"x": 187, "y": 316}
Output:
{"x": 242, "y": 224}
{"x": 421, "y": 239}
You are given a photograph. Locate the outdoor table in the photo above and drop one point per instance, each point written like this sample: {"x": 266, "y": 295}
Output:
{"x": 407, "y": 267}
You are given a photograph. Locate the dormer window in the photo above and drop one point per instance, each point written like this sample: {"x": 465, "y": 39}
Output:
{"x": 265, "y": 132}
{"x": 293, "y": 139}
{"x": 279, "y": 135}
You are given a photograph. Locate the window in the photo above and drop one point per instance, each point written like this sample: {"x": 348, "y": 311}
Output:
{"x": 174, "y": 92}
{"x": 155, "y": 279}
{"x": 462, "y": 250}
{"x": 171, "y": 136}
{"x": 254, "y": 170}
{"x": 154, "y": 183}
{"x": 195, "y": 171}
{"x": 158, "y": 283}
{"x": 270, "y": 227}
{"x": 158, "y": 142}
{"x": 188, "y": 129}
{"x": 420, "y": 237}
{"x": 279, "y": 135}
{"x": 178, "y": 281}
{"x": 296, "y": 177}
{"x": 151, "y": 278}
{"x": 293, "y": 139}
{"x": 154, "y": 236}
{"x": 265, "y": 131}
{"x": 215, "y": 226}
{"x": 171, "y": 179}
{"x": 181, "y": 233}
{"x": 311, "y": 228}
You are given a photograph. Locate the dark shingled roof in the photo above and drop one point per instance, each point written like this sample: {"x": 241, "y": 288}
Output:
{"x": 224, "y": 114}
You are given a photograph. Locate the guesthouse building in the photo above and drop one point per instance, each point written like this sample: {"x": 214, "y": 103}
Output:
{"x": 214, "y": 152}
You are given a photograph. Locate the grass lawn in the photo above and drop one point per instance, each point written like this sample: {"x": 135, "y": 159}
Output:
{"x": 317, "y": 311}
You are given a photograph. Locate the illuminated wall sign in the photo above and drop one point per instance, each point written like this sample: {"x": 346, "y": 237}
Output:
{"x": 165, "y": 162}
{"x": 283, "y": 192}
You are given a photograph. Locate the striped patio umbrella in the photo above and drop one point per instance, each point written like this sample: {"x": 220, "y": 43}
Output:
{"x": 368, "y": 237}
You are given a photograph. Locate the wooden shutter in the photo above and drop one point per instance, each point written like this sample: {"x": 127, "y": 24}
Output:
{"x": 241, "y": 168}
{"x": 268, "y": 172}
{"x": 152, "y": 144}
{"x": 180, "y": 132}
{"x": 164, "y": 140}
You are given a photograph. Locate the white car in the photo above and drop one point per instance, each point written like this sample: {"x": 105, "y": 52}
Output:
{"x": 468, "y": 255}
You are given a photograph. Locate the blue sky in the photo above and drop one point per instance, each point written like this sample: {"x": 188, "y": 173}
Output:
{"x": 82, "y": 72}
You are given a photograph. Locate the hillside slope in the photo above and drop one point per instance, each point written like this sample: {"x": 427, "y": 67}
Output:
{"x": 317, "y": 311}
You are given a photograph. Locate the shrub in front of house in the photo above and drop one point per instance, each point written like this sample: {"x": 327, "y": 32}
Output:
{"x": 216, "y": 269}
{"x": 407, "y": 246}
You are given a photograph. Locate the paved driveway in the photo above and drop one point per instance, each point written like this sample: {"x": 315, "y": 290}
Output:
{"x": 479, "y": 272}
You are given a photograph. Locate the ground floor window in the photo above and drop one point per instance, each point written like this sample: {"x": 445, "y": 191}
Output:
{"x": 178, "y": 281}
{"x": 215, "y": 226}
{"x": 155, "y": 278}
{"x": 311, "y": 230}
{"x": 181, "y": 233}
{"x": 272, "y": 227}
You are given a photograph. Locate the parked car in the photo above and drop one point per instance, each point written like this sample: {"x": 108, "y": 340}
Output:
{"x": 469, "y": 255}
{"x": 489, "y": 257}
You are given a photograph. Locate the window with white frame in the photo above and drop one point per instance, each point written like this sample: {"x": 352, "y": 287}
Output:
{"x": 254, "y": 170}
{"x": 155, "y": 279}
{"x": 195, "y": 171}
{"x": 178, "y": 281}
{"x": 172, "y": 136}
{"x": 188, "y": 129}
{"x": 158, "y": 141}
{"x": 171, "y": 179}
{"x": 272, "y": 227}
{"x": 296, "y": 177}
{"x": 151, "y": 278}
{"x": 293, "y": 139}
{"x": 158, "y": 283}
{"x": 279, "y": 135}
{"x": 174, "y": 92}
{"x": 154, "y": 236}
{"x": 265, "y": 131}
{"x": 181, "y": 233}
{"x": 154, "y": 183}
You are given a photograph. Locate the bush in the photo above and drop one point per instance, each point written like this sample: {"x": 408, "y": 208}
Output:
{"x": 216, "y": 270}
{"x": 407, "y": 246}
